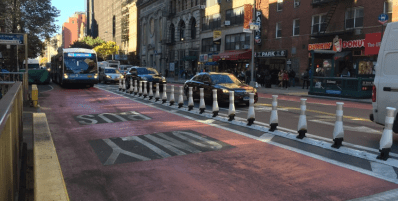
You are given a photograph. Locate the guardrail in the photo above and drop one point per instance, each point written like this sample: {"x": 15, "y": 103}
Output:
{"x": 342, "y": 87}
{"x": 11, "y": 108}
{"x": 11, "y": 77}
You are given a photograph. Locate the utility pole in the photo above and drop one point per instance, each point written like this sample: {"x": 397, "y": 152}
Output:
{"x": 252, "y": 82}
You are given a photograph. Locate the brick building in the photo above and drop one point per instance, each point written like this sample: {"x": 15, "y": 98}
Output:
{"x": 329, "y": 34}
{"x": 74, "y": 29}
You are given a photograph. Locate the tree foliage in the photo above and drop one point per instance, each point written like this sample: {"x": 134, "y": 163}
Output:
{"x": 43, "y": 61}
{"x": 106, "y": 49}
{"x": 88, "y": 42}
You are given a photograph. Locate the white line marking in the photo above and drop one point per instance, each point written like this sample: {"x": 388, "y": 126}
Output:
{"x": 384, "y": 170}
{"x": 362, "y": 129}
{"x": 172, "y": 144}
{"x": 147, "y": 144}
{"x": 116, "y": 150}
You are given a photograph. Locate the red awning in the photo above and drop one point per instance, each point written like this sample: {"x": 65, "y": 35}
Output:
{"x": 234, "y": 55}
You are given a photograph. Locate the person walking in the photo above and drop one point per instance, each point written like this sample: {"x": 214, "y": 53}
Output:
{"x": 305, "y": 78}
{"x": 285, "y": 78}
{"x": 292, "y": 77}
{"x": 280, "y": 78}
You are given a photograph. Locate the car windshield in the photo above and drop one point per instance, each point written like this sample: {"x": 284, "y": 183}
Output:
{"x": 224, "y": 79}
{"x": 145, "y": 71}
{"x": 112, "y": 71}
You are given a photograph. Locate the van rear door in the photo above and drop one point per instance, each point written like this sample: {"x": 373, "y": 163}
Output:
{"x": 386, "y": 80}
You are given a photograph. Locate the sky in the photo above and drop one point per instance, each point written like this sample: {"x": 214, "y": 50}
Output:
{"x": 67, "y": 8}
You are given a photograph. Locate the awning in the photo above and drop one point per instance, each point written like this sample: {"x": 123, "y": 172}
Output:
{"x": 211, "y": 63}
{"x": 190, "y": 58}
{"x": 234, "y": 55}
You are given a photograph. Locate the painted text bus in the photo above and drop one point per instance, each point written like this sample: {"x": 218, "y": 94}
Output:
{"x": 75, "y": 66}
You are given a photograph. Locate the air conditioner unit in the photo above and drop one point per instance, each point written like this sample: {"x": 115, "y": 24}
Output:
{"x": 296, "y": 4}
{"x": 358, "y": 31}
{"x": 202, "y": 6}
{"x": 227, "y": 22}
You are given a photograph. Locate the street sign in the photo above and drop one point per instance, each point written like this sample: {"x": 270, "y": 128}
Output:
{"x": 11, "y": 39}
{"x": 383, "y": 18}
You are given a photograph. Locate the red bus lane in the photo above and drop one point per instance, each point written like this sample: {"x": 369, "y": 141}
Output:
{"x": 113, "y": 148}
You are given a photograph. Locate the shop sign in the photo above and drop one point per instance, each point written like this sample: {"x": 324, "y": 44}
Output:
{"x": 278, "y": 53}
{"x": 320, "y": 46}
{"x": 257, "y": 37}
{"x": 205, "y": 58}
{"x": 367, "y": 83}
{"x": 247, "y": 18}
{"x": 217, "y": 37}
{"x": 372, "y": 43}
{"x": 337, "y": 45}
{"x": 333, "y": 92}
{"x": 210, "y": 58}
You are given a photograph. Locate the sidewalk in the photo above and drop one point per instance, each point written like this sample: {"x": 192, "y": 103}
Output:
{"x": 291, "y": 91}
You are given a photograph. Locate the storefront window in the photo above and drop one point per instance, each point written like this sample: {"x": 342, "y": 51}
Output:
{"x": 365, "y": 68}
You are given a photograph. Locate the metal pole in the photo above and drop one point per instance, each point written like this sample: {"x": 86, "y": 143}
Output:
{"x": 25, "y": 38}
{"x": 252, "y": 83}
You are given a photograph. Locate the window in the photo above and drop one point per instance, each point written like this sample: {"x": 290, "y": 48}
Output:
{"x": 237, "y": 41}
{"x": 114, "y": 26}
{"x": 296, "y": 27}
{"x": 206, "y": 79}
{"x": 317, "y": 21}
{"x": 211, "y": 22}
{"x": 278, "y": 30}
{"x": 209, "y": 46}
{"x": 296, "y": 3}
{"x": 354, "y": 18}
{"x": 182, "y": 31}
{"x": 193, "y": 28}
{"x": 279, "y": 5}
{"x": 210, "y": 3}
{"x": 172, "y": 34}
{"x": 388, "y": 9}
{"x": 235, "y": 16}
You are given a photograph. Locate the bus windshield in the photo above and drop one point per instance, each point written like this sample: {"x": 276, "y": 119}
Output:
{"x": 80, "y": 63}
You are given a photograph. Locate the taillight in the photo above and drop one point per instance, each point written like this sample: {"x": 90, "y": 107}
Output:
{"x": 374, "y": 93}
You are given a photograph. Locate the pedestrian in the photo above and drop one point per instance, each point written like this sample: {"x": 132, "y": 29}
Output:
{"x": 292, "y": 77}
{"x": 248, "y": 76}
{"x": 285, "y": 78}
{"x": 167, "y": 72}
{"x": 305, "y": 77}
{"x": 280, "y": 78}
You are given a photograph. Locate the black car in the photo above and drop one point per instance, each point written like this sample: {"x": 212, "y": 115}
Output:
{"x": 145, "y": 74}
{"x": 224, "y": 83}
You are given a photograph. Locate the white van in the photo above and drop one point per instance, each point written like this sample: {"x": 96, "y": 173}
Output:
{"x": 385, "y": 88}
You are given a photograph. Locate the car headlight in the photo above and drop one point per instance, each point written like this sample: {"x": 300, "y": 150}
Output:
{"x": 144, "y": 78}
{"x": 108, "y": 77}
{"x": 225, "y": 91}
{"x": 65, "y": 76}
{"x": 121, "y": 76}
{"x": 48, "y": 69}
{"x": 96, "y": 75}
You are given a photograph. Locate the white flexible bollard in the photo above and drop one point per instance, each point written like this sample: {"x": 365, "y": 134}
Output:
{"x": 124, "y": 84}
{"x": 338, "y": 131}
{"x": 190, "y": 99}
{"x": 216, "y": 109}
{"x": 181, "y": 98}
{"x": 150, "y": 91}
{"x": 172, "y": 95}
{"x": 145, "y": 94}
{"x": 131, "y": 89}
{"x": 202, "y": 105}
{"x": 157, "y": 95}
{"x": 251, "y": 116}
{"x": 302, "y": 124}
{"x": 386, "y": 138}
{"x": 231, "y": 110}
{"x": 274, "y": 114}
{"x": 140, "y": 89}
{"x": 120, "y": 84}
{"x": 135, "y": 87}
{"x": 164, "y": 97}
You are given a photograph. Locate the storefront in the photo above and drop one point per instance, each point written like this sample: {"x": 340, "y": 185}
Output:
{"x": 228, "y": 61}
{"x": 342, "y": 68}
{"x": 272, "y": 61}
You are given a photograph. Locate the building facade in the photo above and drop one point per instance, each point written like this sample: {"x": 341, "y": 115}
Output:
{"x": 52, "y": 47}
{"x": 74, "y": 29}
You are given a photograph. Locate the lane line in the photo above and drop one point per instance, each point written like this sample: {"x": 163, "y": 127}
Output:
{"x": 344, "y": 165}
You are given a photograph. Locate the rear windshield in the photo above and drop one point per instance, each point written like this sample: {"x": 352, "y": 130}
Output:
{"x": 221, "y": 79}
{"x": 145, "y": 71}
{"x": 111, "y": 71}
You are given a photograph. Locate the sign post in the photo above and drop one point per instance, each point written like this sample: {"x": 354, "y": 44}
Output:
{"x": 383, "y": 18}
{"x": 16, "y": 39}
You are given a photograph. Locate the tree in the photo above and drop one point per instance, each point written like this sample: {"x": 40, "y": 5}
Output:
{"x": 43, "y": 61}
{"x": 87, "y": 42}
{"x": 106, "y": 49}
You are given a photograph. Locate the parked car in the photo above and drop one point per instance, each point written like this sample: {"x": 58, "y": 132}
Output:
{"x": 224, "y": 83}
{"x": 145, "y": 74}
{"x": 109, "y": 75}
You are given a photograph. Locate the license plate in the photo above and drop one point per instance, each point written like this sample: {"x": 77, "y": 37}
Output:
{"x": 89, "y": 76}
{"x": 246, "y": 98}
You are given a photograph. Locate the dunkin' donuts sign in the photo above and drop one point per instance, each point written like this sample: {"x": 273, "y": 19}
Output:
{"x": 345, "y": 44}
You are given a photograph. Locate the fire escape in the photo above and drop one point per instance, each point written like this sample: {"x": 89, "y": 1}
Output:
{"x": 333, "y": 4}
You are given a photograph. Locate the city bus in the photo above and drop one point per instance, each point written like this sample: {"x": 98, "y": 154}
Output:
{"x": 75, "y": 66}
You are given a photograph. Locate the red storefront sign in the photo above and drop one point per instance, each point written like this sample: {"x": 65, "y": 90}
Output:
{"x": 346, "y": 44}
{"x": 319, "y": 46}
{"x": 372, "y": 43}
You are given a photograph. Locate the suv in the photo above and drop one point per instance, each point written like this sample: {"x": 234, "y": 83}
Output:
{"x": 109, "y": 74}
{"x": 145, "y": 74}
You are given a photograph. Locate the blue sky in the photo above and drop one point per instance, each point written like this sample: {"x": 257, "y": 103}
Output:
{"x": 67, "y": 8}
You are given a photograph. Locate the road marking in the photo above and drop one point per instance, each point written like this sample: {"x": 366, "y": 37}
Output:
{"x": 172, "y": 144}
{"x": 91, "y": 119}
{"x": 362, "y": 129}
{"x": 383, "y": 169}
{"x": 116, "y": 150}
{"x": 318, "y": 112}
{"x": 147, "y": 144}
